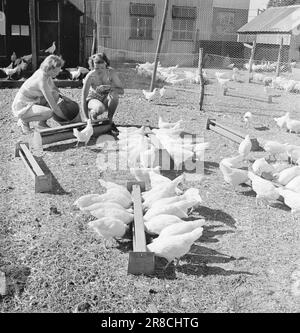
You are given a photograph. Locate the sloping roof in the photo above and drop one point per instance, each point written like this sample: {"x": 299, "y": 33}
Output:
{"x": 79, "y": 4}
{"x": 274, "y": 20}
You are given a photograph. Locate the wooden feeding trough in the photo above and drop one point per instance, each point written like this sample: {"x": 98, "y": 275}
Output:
{"x": 259, "y": 98}
{"x": 42, "y": 181}
{"x": 140, "y": 260}
{"x": 231, "y": 134}
{"x": 65, "y": 132}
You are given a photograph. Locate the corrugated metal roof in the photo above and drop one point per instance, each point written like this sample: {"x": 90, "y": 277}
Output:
{"x": 79, "y": 4}
{"x": 274, "y": 19}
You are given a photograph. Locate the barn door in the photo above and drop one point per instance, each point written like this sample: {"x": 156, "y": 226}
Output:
{"x": 70, "y": 35}
{"x": 48, "y": 18}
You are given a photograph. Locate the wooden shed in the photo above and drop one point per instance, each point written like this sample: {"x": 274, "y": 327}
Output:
{"x": 31, "y": 26}
{"x": 276, "y": 27}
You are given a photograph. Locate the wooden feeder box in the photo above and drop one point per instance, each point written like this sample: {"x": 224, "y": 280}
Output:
{"x": 140, "y": 260}
{"x": 42, "y": 181}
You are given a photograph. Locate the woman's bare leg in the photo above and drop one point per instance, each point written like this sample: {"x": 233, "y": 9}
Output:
{"x": 113, "y": 102}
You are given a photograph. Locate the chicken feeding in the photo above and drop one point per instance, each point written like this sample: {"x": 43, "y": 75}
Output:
{"x": 291, "y": 199}
{"x": 234, "y": 176}
{"x": 151, "y": 95}
{"x": 157, "y": 223}
{"x": 85, "y": 134}
{"x": 108, "y": 228}
{"x": 175, "y": 246}
{"x": 180, "y": 228}
{"x": 264, "y": 189}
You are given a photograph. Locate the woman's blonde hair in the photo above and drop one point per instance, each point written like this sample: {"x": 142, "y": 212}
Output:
{"x": 51, "y": 62}
{"x": 102, "y": 56}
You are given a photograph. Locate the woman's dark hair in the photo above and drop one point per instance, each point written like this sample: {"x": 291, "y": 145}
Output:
{"x": 101, "y": 56}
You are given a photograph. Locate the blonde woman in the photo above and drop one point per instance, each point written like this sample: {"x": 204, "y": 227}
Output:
{"x": 38, "y": 96}
{"x": 101, "y": 89}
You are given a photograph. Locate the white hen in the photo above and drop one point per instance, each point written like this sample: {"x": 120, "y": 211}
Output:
{"x": 281, "y": 121}
{"x": 294, "y": 185}
{"x": 157, "y": 223}
{"x": 85, "y": 134}
{"x": 272, "y": 147}
{"x": 264, "y": 189}
{"x": 176, "y": 246}
{"x": 247, "y": 118}
{"x": 286, "y": 175}
{"x": 118, "y": 213}
{"x": 178, "y": 209}
{"x": 245, "y": 146}
{"x": 151, "y": 95}
{"x": 261, "y": 165}
{"x": 51, "y": 49}
{"x": 108, "y": 228}
{"x": 291, "y": 199}
{"x": 233, "y": 162}
{"x": 180, "y": 228}
{"x": 233, "y": 176}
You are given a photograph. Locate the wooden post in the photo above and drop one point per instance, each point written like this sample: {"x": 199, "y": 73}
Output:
{"x": 279, "y": 57}
{"x": 161, "y": 33}
{"x": 32, "y": 18}
{"x": 251, "y": 59}
{"x": 200, "y": 67}
{"x": 94, "y": 42}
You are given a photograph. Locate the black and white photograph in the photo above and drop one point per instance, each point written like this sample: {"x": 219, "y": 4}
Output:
{"x": 150, "y": 159}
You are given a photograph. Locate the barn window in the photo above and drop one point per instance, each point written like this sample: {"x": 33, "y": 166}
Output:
{"x": 19, "y": 30}
{"x": 183, "y": 22}
{"x": 105, "y": 18}
{"x": 141, "y": 20}
{"x": 48, "y": 15}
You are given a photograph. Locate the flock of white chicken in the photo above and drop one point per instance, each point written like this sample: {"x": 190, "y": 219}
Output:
{"x": 269, "y": 180}
{"x": 164, "y": 204}
{"x": 172, "y": 74}
{"x": 143, "y": 146}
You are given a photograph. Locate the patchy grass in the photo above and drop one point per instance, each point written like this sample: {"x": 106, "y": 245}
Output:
{"x": 243, "y": 262}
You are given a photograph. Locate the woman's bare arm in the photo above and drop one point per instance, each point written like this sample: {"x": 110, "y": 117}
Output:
{"x": 47, "y": 91}
{"x": 117, "y": 84}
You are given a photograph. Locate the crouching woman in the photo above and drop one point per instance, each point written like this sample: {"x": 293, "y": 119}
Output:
{"x": 37, "y": 98}
{"x": 101, "y": 89}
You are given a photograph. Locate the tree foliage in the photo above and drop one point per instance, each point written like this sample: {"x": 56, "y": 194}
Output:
{"x": 281, "y": 3}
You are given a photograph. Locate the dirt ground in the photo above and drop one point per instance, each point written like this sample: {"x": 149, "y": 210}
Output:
{"x": 247, "y": 259}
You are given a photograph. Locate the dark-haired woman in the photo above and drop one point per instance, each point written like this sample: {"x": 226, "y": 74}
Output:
{"x": 101, "y": 89}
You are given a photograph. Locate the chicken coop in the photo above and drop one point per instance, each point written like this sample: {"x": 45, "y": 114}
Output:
{"x": 31, "y": 26}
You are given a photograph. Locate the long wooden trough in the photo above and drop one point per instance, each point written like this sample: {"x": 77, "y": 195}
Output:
{"x": 42, "y": 181}
{"x": 65, "y": 132}
{"x": 140, "y": 260}
{"x": 231, "y": 134}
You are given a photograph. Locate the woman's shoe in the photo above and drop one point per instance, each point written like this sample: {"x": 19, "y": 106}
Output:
{"x": 24, "y": 127}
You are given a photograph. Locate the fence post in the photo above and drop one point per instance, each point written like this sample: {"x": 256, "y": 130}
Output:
{"x": 161, "y": 33}
{"x": 200, "y": 67}
{"x": 279, "y": 57}
{"x": 251, "y": 59}
{"x": 94, "y": 42}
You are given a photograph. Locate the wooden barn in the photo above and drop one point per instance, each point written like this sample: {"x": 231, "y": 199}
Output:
{"x": 276, "y": 28}
{"x": 30, "y": 26}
